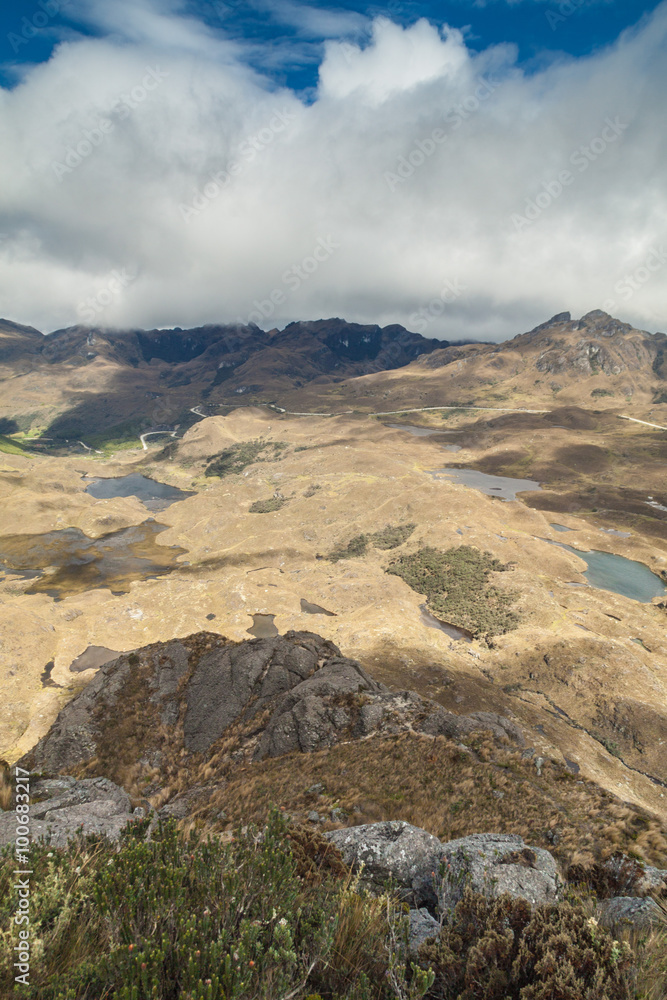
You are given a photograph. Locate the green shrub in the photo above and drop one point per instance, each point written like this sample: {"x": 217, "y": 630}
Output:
{"x": 601, "y": 392}
{"x": 456, "y": 584}
{"x": 389, "y": 537}
{"x": 233, "y": 460}
{"x": 500, "y": 949}
{"x": 266, "y": 506}
{"x": 179, "y": 917}
{"x": 392, "y": 536}
{"x": 357, "y": 546}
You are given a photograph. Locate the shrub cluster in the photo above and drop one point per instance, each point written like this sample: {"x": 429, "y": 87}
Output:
{"x": 268, "y": 915}
{"x": 389, "y": 537}
{"x": 456, "y": 583}
{"x": 233, "y": 460}
{"x": 500, "y": 949}
{"x": 267, "y": 506}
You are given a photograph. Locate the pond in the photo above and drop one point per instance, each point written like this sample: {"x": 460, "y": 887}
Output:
{"x": 627, "y": 577}
{"x": 452, "y": 631}
{"x": 417, "y": 431}
{"x": 93, "y": 657}
{"x": 67, "y": 562}
{"x": 155, "y": 496}
{"x": 262, "y": 626}
{"x": 494, "y": 486}
{"x": 315, "y": 609}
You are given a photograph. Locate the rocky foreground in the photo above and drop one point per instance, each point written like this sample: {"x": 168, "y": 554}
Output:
{"x": 167, "y": 731}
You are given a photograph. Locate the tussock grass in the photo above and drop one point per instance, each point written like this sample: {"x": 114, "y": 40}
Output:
{"x": 440, "y": 787}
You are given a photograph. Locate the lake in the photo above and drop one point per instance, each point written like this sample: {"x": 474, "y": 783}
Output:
{"x": 627, "y": 577}
{"x": 155, "y": 496}
{"x": 503, "y": 487}
{"x": 67, "y": 562}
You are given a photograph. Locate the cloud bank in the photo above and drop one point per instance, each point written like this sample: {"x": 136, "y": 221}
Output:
{"x": 150, "y": 177}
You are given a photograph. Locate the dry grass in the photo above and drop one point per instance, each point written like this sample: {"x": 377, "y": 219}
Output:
{"x": 436, "y": 785}
{"x": 6, "y": 787}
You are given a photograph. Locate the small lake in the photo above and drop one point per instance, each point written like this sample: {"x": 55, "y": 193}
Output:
{"x": 155, "y": 496}
{"x": 494, "y": 486}
{"x": 263, "y": 627}
{"x": 315, "y": 609}
{"x": 417, "y": 431}
{"x": 627, "y": 577}
{"x": 452, "y": 631}
{"x": 67, "y": 562}
{"x": 93, "y": 657}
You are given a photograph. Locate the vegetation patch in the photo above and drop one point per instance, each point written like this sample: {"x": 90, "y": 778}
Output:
{"x": 357, "y": 546}
{"x": 233, "y": 460}
{"x": 271, "y": 914}
{"x": 392, "y": 536}
{"x": 456, "y": 584}
{"x": 267, "y": 506}
{"x": 602, "y": 392}
{"x": 389, "y": 537}
{"x": 501, "y": 948}
{"x": 10, "y": 447}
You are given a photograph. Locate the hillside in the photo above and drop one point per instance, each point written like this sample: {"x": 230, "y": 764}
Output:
{"x": 84, "y": 380}
{"x": 594, "y": 362}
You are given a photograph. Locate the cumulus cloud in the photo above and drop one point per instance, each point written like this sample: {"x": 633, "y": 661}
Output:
{"x": 150, "y": 177}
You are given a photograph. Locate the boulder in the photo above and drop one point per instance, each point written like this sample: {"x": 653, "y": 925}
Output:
{"x": 629, "y": 911}
{"x": 396, "y": 851}
{"x": 495, "y": 863}
{"x": 422, "y": 927}
{"x": 93, "y": 805}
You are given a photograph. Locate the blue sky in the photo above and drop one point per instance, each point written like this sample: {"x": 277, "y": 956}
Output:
{"x": 541, "y": 29}
{"x": 465, "y": 169}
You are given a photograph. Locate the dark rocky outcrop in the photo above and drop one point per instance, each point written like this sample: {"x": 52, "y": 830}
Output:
{"x": 272, "y": 696}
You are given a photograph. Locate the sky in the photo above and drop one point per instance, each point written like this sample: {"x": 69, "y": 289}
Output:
{"x": 466, "y": 169}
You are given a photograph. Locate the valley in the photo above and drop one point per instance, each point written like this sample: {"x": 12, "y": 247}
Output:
{"x": 250, "y": 508}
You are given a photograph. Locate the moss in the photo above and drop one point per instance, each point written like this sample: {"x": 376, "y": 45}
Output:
{"x": 456, "y": 583}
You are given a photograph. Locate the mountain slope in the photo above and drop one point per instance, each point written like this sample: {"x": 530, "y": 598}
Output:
{"x": 597, "y": 360}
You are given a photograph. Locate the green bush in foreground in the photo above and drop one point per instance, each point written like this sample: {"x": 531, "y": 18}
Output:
{"x": 182, "y": 918}
{"x": 456, "y": 584}
{"x": 275, "y": 914}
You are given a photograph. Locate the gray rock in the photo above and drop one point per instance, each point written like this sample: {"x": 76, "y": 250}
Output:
{"x": 239, "y": 681}
{"x": 654, "y": 878}
{"x": 338, "y": 815}
{"x": 629, "y": 911}
{"x": 394, "y": 850}
{"x": 422, "y": 927}
{"x": 443, "y": 723}
{"x": 307, "y": 717}
{"x": 494, "y": 863}
{"x": 314, "y": 817}
{"x": 93, "y": 805}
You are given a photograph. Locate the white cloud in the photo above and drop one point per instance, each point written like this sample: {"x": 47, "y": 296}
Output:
{"x": 288, "y": 174}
